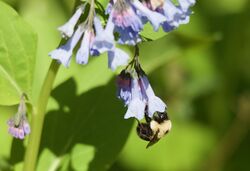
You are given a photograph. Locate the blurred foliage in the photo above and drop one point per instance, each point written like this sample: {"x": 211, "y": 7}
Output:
{"x": 201, "y": 70}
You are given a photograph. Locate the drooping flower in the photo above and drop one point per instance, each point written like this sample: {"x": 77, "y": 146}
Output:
{"x": 63, "y": 53}
{"x": 117, "y": 57}
{"x": 175, "y": 15}
{"x": 124, "y": 85}
{"x": 82, "y": 55}
{"x": 104, "y": 40}
{"x": 137, "y": 104}
{"x": 155, "y": 18}
{"x": 127, "y": 23}
{"x": 154, "y": 103}
{"x": 128, "y": 36}
{"x": 18, "y": 125}
{"x": 138, "y": 95}
{"x": 67, "y": 29}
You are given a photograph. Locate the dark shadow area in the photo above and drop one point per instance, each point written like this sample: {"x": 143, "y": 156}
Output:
{"x": 17, "y": 152}
{"x": 94, "y": 118}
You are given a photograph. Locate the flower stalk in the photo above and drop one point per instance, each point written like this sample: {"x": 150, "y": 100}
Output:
{"x": 38, "y": 118}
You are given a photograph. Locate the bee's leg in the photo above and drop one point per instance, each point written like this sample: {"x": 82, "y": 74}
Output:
{"x": 148, "y": 119}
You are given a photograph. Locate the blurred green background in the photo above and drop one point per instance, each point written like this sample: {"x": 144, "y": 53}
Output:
{"x": 202, "y": 71}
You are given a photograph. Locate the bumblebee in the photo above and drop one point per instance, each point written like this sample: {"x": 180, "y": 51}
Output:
{"x": 154, "y": 128}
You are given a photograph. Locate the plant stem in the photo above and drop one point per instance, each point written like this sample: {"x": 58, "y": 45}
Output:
{"x": 38, "y": 118}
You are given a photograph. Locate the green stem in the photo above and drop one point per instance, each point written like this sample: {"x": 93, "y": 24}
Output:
{"x": 38, "y": 118}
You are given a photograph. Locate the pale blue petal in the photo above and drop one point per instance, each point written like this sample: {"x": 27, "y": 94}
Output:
{"x": 104, "y": 40}
{"x": 82, "y": 55}
{"x": 155, "y": 104}
{"x": 154, "y": 18}
{"x": 136, "y": 109}
{"x": 116, "y": 58}
{"x": 63, "y": 53}
{"x": 98, "y": 26}
{"x": 67, "y": 29}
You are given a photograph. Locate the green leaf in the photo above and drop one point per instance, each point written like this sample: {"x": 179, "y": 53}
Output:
{"x": 17, "y": 56}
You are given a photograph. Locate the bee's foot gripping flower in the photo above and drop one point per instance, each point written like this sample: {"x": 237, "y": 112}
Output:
{"x": 18, "y": 125}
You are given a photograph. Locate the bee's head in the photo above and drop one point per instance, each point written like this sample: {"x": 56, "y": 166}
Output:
{"x": 160, "y": 117}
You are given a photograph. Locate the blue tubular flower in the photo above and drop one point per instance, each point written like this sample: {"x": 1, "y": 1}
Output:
{"x": 175, "y": 15}
{"x": 154, "y": 18}
{"x": 63, "y": 53}
{"x": 126, "y": 21}
{"x": 128, "y": 36}
{"x": 82, "y": 54}
{"x": 137, "y": 105}
{"x": 104, "y": 40}
{"x": 67, "y": 29}
{"x": 21, "y": 130}
{"x": 124, "y": 16}
{"x": 154, "y": 103}
{"x": 18, "y": 125}
{"x": 117, "y": 57}
{"x": 124, "y": 81}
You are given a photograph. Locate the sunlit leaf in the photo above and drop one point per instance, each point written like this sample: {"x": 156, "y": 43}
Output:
{"x": 17, "y": 56}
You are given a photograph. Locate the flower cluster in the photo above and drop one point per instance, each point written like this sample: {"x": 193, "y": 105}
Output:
{"x": 137, "y": 94}
{"x": 126, "y": 19}
{"x": 18, "y": 125}
{"x": 95, "y": 40}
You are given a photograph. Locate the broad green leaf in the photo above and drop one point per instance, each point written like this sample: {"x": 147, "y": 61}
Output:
{"x": 17, "y": 56}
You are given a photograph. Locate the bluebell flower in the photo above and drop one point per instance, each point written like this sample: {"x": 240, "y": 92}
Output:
{"x": 137, "y": 104}
{"x": 83, "y": 52}
{"x": 63, "y": 53}
{"x": 18, "y": 125}
{"x": 117, "y": 57}
{"x": 128, "y": 36}
{"x": 154, "y": 103}
{"x": 124, "y": 85}
{"x": 175, "y": 15}
{"x": 137, "y": 93}
{"x": 104, "y": 40}
{"x": 67, "y": 29}
{"x": 126, "y": 22}
{"x": 155, "y": 18}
